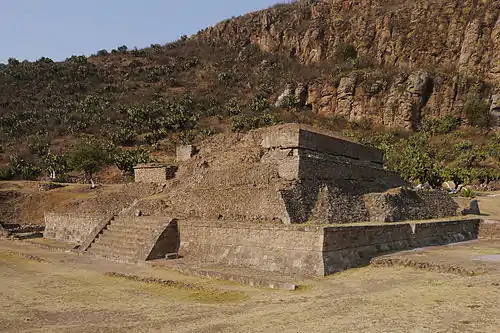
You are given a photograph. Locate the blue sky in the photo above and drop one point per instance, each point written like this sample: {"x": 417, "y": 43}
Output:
{"x": 31, "y": 29}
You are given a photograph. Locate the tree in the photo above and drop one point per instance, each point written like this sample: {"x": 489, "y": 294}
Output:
{"x": 90, "y": 157}
{"x": 123, "y": 49}
{"x": 13, "y": 61}
{"x": 56, "y": 165}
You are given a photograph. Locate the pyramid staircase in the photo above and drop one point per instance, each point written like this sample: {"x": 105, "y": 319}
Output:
{"x": 132, "y": 239}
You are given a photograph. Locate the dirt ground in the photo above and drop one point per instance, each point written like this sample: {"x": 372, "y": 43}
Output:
{"x": 489, "y": 203}
{"x": 43, "y": 290}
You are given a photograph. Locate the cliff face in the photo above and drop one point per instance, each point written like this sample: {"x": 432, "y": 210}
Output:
{"x": 431, "y": 56}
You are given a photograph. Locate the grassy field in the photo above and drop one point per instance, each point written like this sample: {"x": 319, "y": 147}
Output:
{"x": 49, "y": 291}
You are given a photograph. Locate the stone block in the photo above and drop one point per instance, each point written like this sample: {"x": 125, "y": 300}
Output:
{"x": 184, "y": 152}
{"x": 296, "y": 137}
{"x": 153, "y": 173}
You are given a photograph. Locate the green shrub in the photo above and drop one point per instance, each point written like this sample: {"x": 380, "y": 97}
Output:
{"x": 22, "y": 169}
{"x": 102, "y": 53}
{"x": 243, "y": 123}
{"x": 226, "y": 78}
{"x": 416, "y": 160}
{"x": 345, "y": 52}
{"x": 6, "y": 174}
{"x": 126, "y": 160}
{"x": 123, "y": 136}
{"x": 290, "y": 101}
{"x": 259, "y": 103}
{"x": 478, "y": 113}
{"x": 457, "y": 175}
{"x": 467, "y": 193}
{"x": 444, "y": 125}
{"x": 38, "y": 145}
{"x": 493, "y": 147}
{"x": 232, "y": 107}
{"x": 122, "y": 49}
{"x": 186, "y": 137}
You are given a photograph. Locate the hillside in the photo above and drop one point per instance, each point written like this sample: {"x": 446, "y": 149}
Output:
{"x": 376, "y": 64}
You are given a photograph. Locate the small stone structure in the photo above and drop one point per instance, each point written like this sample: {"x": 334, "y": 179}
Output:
{"x": 153, "y": 173}
{"x": 184, "y": 152}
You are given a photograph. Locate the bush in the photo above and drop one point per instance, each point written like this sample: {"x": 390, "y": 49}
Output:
{"x": 232, "y": 107}
{"x": 493, "y": 147}
{"x": 38, "y": 145}
{"x": 22, "y": 169}
{"x": 123, "y": 136}
{"x": 259, "y": 103}
{"x": 416, "y": 160}
{"x": 345, "y": 52}
{"x": 444, "y": 125}
{"x": 478, "y": 113}
{"x": 457, "y": 175}
{"x": 102, "y": 53}
{"x": 243, "y": 123}
{"x": 290, "y": 101}
{"x": 122, "y": 49}
{"x": 6, "y": 174}
{"x": 467, "y": 193}
{"x": 126, "y": 160}
{"x": 186, "y": 137}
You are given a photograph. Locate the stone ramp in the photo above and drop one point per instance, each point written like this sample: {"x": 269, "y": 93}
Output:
{"x": 129, "y": 239}
{"x": 246, "y": 276}
{"x": 477, "y": 257}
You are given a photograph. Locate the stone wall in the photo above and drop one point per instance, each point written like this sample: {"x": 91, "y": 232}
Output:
{"x": 275, "y": 249}
{"x": 73, "y": 228}
{"x": 153, "y": 173}
{"x": 402, "y": 204}
{"x": 349, "y": 247}
{"x": 312, "y": 251}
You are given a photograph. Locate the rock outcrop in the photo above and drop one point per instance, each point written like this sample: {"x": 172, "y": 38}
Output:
{"x": 431, "y": 55}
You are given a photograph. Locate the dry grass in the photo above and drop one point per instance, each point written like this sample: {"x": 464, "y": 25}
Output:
{"x": 72, "y": 294}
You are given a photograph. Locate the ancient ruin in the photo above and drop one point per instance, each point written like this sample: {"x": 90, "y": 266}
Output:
{"x": 153, "y": 173}
{"x": 285, "y": 199}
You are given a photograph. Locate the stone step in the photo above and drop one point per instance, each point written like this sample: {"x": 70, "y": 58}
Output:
{"x": 131, "y": 230}
{"x": 123, "y": 237}
{"x": 120, "y": 250}
{"x": 117, "y": 243}
{"x": 128, "y": 231}
{"x": 138, "y": 221}
{"x": 105, "y": 253}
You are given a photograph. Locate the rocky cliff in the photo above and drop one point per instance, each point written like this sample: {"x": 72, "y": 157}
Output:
{"x": 430, "y": 56}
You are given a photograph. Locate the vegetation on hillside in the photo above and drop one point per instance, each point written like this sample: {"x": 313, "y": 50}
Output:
{"x": 117, "y": 107}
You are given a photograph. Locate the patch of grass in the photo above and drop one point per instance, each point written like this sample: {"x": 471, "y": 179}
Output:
{"x": 17, "y": 257}
{"x": 185, "y": 291}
